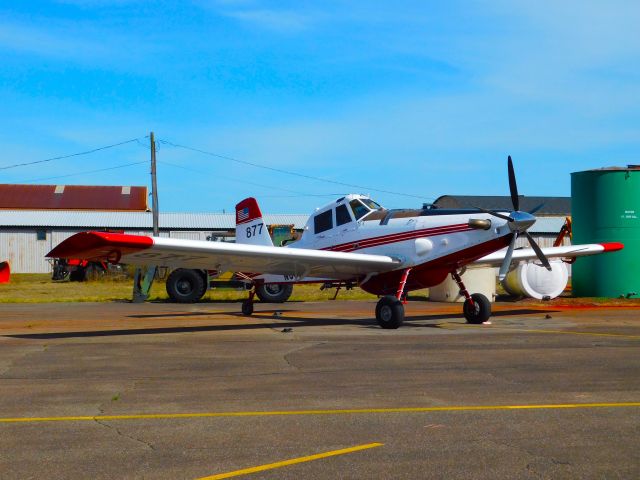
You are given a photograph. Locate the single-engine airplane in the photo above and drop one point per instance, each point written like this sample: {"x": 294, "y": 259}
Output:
{"x": 353, "y": 241}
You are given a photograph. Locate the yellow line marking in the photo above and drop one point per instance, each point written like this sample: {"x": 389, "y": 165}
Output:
{"x": 595, "y": 334}
{"x": 462, "y": 408}
{"x": 293, "y": 461}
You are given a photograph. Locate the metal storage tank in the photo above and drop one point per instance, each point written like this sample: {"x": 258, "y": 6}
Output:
{"x": 606, "y": 208}
{"x": 476, "y": 279}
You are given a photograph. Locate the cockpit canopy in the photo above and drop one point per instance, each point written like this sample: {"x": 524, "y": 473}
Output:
{"x": 343, "y": 211}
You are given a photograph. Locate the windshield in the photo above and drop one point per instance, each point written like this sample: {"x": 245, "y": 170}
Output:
{"x": 359, "y": 209}
{"x": 370, "y": 203}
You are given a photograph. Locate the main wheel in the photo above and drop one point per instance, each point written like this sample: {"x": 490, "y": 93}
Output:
{"x": 479, "y": 312}
{"x": 389, "y": 312}
{"x": 247, "y": 307}
{"x": 185, "y": 285}
{"x": 274, "y": 292}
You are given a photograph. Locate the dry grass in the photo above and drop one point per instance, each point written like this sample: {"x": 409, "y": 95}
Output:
{"x": 39, "y": 288}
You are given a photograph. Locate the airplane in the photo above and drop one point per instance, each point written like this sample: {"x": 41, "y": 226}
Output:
{"x": 351, "y": 241}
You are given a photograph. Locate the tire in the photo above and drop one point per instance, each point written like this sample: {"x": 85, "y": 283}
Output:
{"x": 479, "y": 312}
{"x": 77, "y": 275}
{"x": 274, "y": 292}
{"x": 93, "y": 272}
{"x": 185, "y": 285}
{"x": 247, "y": 307}
{"x": 389, "y": 312}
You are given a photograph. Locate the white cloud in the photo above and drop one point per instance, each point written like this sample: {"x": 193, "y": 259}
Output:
{"x": 275, "y": 20}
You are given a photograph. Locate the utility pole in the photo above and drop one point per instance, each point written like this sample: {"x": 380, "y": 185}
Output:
{"x": 154, "y": 186}
{"x": 142, "y": 282}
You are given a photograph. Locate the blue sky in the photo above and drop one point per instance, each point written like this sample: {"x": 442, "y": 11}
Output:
{"x": 425, "y": 98}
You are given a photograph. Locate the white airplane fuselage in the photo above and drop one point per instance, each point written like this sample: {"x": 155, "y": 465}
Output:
{"x": 433, "y": 243}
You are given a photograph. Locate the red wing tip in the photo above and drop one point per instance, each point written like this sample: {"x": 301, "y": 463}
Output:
{"x": 612, "y": 246}
{"x": 88, "y": 245}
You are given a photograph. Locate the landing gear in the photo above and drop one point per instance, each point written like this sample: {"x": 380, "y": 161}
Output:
{"x": 477, "y": 310}
{"x": 476, "y": 307}
{"x": 247, "y": 305}
{"x": 390, "y": 309}
{"x": 389, "y": 312}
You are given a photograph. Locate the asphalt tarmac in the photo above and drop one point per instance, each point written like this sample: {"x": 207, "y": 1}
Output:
{"x": 317, "y": 391}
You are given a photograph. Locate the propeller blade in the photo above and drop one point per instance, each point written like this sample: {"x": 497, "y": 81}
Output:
{"x": 534, "y": 210}
{"x": 506, "y": 263}
{"x": 513, "y": 186}
{"x": 495, "y": 214}
{"x": 541, "y": 256}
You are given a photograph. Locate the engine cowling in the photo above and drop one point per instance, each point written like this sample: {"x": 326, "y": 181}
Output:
{"x": 532, "y": 280}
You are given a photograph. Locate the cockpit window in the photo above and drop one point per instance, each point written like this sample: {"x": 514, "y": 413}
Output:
{"x": 342, "y": 215}
{"x": 359, "y": 210}
{"x": 323, "y": 222}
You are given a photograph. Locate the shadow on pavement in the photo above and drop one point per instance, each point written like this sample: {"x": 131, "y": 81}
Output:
{"x": 286, "y": 322}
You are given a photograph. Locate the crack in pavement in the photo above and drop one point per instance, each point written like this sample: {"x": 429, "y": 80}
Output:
{"x": 299, "y": 349}
{"x": 124, "y": 435}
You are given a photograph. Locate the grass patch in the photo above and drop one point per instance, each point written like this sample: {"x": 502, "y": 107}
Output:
{"x": 39, "y": 288}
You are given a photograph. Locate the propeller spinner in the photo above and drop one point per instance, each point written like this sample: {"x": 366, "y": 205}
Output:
{"x": 519, "y": 222}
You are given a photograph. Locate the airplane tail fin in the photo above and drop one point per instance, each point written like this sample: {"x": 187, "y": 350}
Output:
{"x": 250, "y": 228}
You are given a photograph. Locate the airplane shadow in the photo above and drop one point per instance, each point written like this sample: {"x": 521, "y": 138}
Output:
{"x": 279, "y": 323}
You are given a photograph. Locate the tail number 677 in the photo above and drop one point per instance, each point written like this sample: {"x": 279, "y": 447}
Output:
{"x": 254, "y": 230}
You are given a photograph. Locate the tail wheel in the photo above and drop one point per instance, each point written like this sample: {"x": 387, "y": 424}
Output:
{"x": 247, "y": 307}
{"x": 274, "y": 292}
{"x": 389, "y": 312}
{"x": 479, "y": 312}
{"x": 185, "y": 285}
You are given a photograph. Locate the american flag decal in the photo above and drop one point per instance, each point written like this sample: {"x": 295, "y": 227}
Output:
{"x": 243, "y": 214}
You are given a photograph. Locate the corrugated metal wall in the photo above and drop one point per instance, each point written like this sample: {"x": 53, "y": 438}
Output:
{"x": 26, "y": 254}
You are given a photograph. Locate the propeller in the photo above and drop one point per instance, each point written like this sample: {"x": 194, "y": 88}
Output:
{"x": 518, "y": 222}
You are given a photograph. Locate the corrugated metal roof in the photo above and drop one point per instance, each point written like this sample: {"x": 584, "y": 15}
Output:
{"x": 73, "y": 197}
{"x": 174, "y": 221}
{"x": 135, "y": 220}
{"x": 550, "y": 205}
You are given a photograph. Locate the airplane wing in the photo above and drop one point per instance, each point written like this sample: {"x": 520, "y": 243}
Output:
{"x": 173, "y": 252}
{"x": 571, "y": 251}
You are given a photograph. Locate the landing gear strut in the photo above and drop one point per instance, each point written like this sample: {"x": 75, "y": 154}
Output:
{"x": 476, "y": 307}
{"x": 390, "y": 309}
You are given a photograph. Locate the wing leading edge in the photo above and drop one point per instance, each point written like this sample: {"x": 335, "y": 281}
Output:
{"x": 495, "y": 259}
{"x": 173, "y": 252}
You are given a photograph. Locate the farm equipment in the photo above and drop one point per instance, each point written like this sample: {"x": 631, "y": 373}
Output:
{"x": 77, "y": 270}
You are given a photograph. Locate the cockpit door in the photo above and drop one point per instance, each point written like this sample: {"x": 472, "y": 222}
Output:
{"x": 345, "y": 223}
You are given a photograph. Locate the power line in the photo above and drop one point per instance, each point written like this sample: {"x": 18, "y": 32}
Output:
{"x": 71, "y": 155}
{"x": 310, "y": 177}
{"x": 270, "y": 187}
{"x": 85, "y": 172}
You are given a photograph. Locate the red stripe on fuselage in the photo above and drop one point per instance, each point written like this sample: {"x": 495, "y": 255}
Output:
{"x": 398, "y": 237}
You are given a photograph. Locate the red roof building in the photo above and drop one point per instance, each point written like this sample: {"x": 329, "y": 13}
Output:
{"x": 73, "y": 197}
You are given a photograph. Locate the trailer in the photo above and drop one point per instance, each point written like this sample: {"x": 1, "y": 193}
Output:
{"x": 185, "y": 285}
